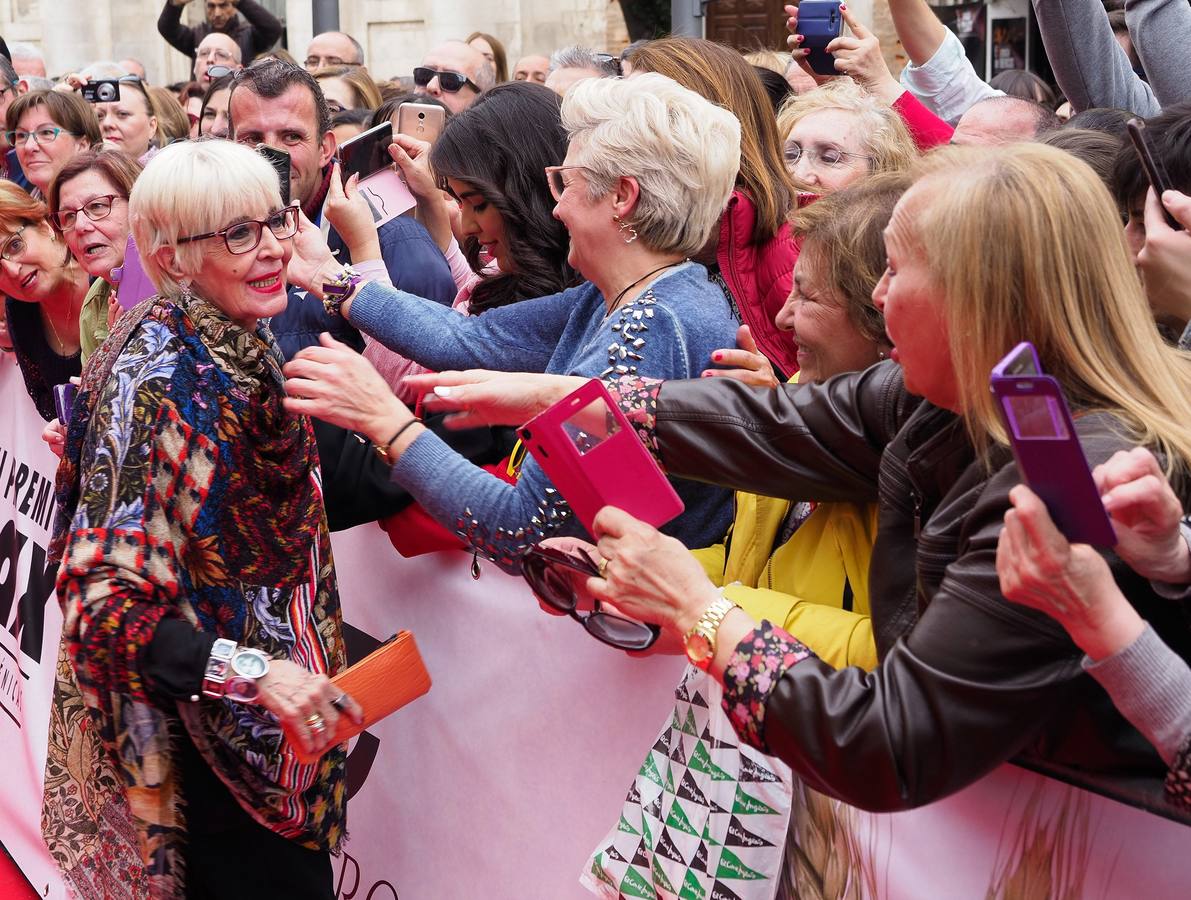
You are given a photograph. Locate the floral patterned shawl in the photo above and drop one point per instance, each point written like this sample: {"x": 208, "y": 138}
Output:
{"x": 186, "y": 491}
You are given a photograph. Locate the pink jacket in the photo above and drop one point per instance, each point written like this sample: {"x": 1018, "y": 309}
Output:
{"x": 760, "y": 277}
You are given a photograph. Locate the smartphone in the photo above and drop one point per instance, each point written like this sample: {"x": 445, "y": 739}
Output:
{"x": 1155, "y": 171}
{"x": 106, "y": 91}
{"x": 367, "y": 152}
{"x": 131, "y": 280}
{"x": 423, "y": 121}
{"x": 279, "y": 160}
{"x": 64, "y": 395}
{"x": 1049, "y": 457}
{"x": 592, "y": 454}
{"x": 820, "y": 22}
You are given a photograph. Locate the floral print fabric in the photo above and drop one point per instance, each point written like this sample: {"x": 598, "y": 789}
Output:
{"x": 186, "y": 491}
{"x": 756, "y": 666}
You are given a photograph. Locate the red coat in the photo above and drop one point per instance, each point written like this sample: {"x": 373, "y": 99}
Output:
{"x": 760, "y": 277}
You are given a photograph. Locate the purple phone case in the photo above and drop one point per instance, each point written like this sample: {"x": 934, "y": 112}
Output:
{"x": 599, "y": 462}
{"x": 1048, "y": 453}
{"x": 132, "y": 284}
{"x": 64, "y": 401}
{"x": 820, "y": 22}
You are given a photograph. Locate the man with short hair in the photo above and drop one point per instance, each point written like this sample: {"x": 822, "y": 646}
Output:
{"x": 216, "y": 49}
{"x": 455, "y": 74}
{"x": 134, "y": 67}
{"x": 532, "y": 68}
{"x": 333, "y": 48}
{"x": 27, "y": 60}
{"x": 254, "y": 30}
{"x": 281, "y": 105}
{"x": 1004, "y": 120}
{"x": 572, "y": 64}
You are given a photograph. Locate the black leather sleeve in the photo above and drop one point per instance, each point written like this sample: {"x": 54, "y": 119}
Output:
{"x": 799, "y": 442}
{"x": 266, "y": 27}
{"x": 170, "y": 27}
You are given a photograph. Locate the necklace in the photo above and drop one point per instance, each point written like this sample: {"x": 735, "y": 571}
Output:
{"x": 61, "y": 351}
{"x": 632, "y": 284}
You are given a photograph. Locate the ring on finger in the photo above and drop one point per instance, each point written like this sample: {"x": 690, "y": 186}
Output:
{"x": 339, "y": 702}
{"x": 316, "y": 723}
{"x": 603, "y": 567}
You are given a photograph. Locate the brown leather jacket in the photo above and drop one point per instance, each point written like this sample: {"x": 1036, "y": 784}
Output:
{"x": 967, "y": 679}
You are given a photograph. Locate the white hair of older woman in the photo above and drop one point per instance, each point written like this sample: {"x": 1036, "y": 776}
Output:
{"x": 683, "y": 152}
{"x": 196, "y": 187}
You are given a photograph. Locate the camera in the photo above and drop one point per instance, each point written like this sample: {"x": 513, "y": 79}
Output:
{"x": 101, "y": 91}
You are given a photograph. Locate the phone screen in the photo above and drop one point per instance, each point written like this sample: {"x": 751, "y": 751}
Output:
{"x": 366, "y": 153}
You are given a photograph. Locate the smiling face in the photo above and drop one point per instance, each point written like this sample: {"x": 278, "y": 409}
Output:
{"x": 245, "y": 286}
{"x": 829, "y": 343}
{"x": 42, "y": 161}
{"x": 127, "y": 124}
{"x": 37, "y": 272}
{"x": 482, "y": 221}
{"x": 98, "y": 244}
{"x": 288, "y": 122}
{"x": 824, "y": 137}
{"x": 915, "y": 311}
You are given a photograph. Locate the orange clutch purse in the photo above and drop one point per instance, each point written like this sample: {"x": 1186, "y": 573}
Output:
{"x": 382, "y": 682}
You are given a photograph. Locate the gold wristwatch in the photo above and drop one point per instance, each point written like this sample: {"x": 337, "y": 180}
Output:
{"x": 700, "y": 640}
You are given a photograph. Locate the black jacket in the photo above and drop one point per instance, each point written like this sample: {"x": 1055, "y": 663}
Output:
{"x": 966, "y": 679}
{"x": 256, "y": 35}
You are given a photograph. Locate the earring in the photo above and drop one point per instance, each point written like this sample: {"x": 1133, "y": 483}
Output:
{"x": 625, "y": 227}
{"x": 881, "y": 354}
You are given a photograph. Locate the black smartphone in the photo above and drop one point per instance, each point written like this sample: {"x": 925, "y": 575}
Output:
{"x": 1155, "y": 172}
{"x": 279, "y": 160}
{"x": 366, "y": 153}
{"x": 106, "y": 91}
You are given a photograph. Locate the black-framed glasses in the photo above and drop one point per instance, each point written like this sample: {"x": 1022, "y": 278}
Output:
{"x": 94, "y": 209}
{"x": 47, "y": 134}
{"x": 15, "y": 245}
{"x": 450, "y": 81}
{"x": 540, "y": 567}
{"x": 554, "y": 179}
{"x": 243, "y": 237}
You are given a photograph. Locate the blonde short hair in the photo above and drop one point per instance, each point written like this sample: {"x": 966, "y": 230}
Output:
{"x": 886, "y": 139}
{"x": 683, "y": 151}
{"x": 1025, "y": 243}
{"x": 195, "y": 187}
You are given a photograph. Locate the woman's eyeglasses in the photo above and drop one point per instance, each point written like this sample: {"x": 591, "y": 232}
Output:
{"x": 449, "y": 81}
{"x": 44, "y": 135}
{"x": 94, "y": 209}
{"x": 554, "y": 179}
{"x": 542, "y": 568}
{"x": 828, "y": 156}
{"x": 243, "y": 237}
{"x": 15, "y": 245}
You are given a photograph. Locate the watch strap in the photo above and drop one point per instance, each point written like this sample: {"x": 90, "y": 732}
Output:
{"x": 218, "y": 665}
{"x": 708, "y": 628}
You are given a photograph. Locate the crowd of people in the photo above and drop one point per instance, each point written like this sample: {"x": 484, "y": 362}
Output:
{"x": 794, "y": 285}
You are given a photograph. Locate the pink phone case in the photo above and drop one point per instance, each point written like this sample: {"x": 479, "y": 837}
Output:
{"x": 132, "y": 284}
{"x": 593, "y": 456}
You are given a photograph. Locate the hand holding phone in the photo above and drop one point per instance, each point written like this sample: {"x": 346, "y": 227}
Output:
{"x": 820, "y": 22}
{"x": 1047, "y": 449}
{"x": 64, "y": 395}
{"x": 367, "y": 155}
{"x": 593, "y": 456}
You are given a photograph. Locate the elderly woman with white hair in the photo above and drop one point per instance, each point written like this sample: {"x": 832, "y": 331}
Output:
{"x": 649, "y": 168}
{"x": 201, "y": 612}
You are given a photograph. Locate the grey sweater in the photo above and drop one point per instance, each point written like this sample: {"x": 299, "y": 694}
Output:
{"x": 1161, "y": 32}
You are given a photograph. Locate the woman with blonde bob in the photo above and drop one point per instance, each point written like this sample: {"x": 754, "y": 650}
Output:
{"x": 196, "y": 582}
{"x": 838, "y": 133}
{"x": 648, "y": 169}
{"x": 965, "y": 679}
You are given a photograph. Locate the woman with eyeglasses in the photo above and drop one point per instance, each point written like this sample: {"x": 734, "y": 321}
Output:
{"x": 648, "y": 169}
{"x": 45, "y": 287}
{"x": 47, "y": 128}
{"x": 839, "y": 133}
{"x": 128, "y": 123}
{"x": 201, "y": 614}
{"x": 89, "y": 207}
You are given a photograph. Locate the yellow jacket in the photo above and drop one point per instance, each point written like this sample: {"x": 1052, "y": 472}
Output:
{"x": 804, "y": 584}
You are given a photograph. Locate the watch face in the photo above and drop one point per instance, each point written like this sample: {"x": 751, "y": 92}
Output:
{"x": 250, "y": 663}
{"x": 698, "y": 649}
